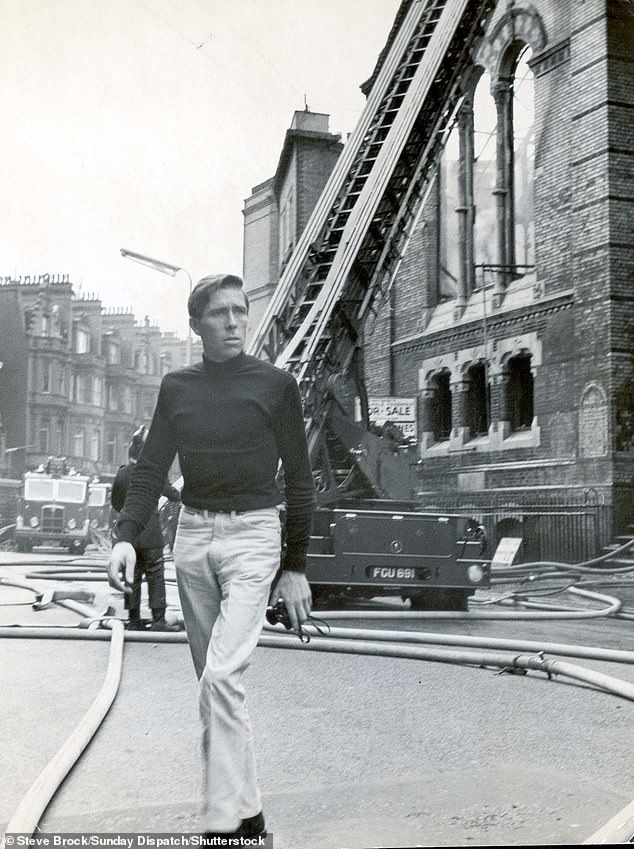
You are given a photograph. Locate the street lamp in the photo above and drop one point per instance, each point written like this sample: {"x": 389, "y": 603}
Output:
{"x": 164, "y": 268}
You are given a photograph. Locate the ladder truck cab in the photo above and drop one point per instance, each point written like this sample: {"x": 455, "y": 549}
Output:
{"x": 53, "y": 508}
{"x": 370, "y": 537}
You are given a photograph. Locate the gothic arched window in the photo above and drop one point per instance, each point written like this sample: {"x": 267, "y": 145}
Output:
{"x": 448, "y": 230}
{"x": 484, "y": 174}
{"x": 524, "y": 159}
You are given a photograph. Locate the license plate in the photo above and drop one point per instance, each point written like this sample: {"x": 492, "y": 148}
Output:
{"x": 392, "y": 573}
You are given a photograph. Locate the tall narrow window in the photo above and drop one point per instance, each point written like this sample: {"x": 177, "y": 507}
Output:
{"x": 111, "y": 448}
{"x": 520, "y": 392}
{"x": 82, "y": 341}
{"x": 287, "y": 225}
{"x": 79, "y": 442}
{"x": 449, "y": 201}
{"x": 59, "y": 437}
{"x": 97, "y": 391}
{"x": 524, "y": 159}
{"x": 113, "y": 352}
{"x": 441, "y": 406}
{"x": 484, "y": 174}
{"x": 477, "y": 401}
{"x": 95, "y": 445}
{"x": 61, "y": 380}
{"x": 46, "y": 377}
{"x": 45, "y": 431}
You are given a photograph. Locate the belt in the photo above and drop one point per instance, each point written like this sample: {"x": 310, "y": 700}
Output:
{"x": 207, "y": 513}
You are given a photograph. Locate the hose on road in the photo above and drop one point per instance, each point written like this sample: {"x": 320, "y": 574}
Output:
{"x": 29, "y": 811}
{"x": 406, "y": 645}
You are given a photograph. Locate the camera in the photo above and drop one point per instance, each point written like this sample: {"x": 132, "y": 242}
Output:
{"x": 278, "y": 613}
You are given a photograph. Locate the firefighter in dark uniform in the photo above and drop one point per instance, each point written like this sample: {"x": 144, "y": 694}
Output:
{"x": 149, "y": 548}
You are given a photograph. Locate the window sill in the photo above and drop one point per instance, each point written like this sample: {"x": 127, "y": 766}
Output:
{"x": 499, "y": 438}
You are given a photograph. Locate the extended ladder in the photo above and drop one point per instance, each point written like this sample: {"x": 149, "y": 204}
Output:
{"x": 349, "y": 250}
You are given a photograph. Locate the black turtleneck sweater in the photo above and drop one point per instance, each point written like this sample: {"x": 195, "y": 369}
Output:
{"x": 231, "y": 423}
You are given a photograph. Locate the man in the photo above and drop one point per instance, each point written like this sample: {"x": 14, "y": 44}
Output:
{"x": 231, "y": 418}
{"x": 148, "y": 547}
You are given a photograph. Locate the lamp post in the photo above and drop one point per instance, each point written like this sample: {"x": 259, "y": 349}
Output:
{"x": 164, "y": 268}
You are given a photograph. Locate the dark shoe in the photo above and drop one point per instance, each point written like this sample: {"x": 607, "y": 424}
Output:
{"x": 252, "y": 827}
{"x": 248, "y": 828}
{"x": 162, "y": 625}
{"x": 136, "y": 625}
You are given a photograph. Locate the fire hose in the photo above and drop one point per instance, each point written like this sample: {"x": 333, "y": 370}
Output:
{"x": 408, "y": 645}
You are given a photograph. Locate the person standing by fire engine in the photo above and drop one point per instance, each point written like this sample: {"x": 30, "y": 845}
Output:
{"x": 231, "y": 418}
{"x": 148, "y": 547}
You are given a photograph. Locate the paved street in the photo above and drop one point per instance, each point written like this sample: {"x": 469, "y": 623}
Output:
{"x": 354, "y": 751}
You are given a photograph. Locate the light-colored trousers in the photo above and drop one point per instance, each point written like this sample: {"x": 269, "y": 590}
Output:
{"x": 225, "y": 564}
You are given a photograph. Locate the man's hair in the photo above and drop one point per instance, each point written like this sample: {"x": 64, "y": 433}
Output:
{"x": 208, "y": 286}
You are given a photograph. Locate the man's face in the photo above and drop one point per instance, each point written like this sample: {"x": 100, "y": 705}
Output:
{"x": 223, "y": 325}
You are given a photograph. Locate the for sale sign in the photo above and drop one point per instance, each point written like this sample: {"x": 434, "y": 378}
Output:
{"x": 399, "y": 411}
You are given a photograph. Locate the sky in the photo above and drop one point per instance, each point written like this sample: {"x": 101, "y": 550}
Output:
{"x": 144, "y": 124}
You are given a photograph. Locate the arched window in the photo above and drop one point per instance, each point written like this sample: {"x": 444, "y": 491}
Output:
{"x": 477, "y": 401}
{"x": 484, "y": 174}
{"x": 485, "y": 209}
{"x": 520, "y": 392}
{"x": 524, "y": 159}
{"x": 448, "y": 230}
{"x": 441, "y": 406}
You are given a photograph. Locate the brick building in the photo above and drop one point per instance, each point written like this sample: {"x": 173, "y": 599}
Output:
{"x": 277, "y": 210}
{"x": 511, "y": 319}
{"x": 76, "y": 379}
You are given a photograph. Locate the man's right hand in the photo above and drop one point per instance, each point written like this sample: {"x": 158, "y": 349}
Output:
{"x": 122, "y": 562}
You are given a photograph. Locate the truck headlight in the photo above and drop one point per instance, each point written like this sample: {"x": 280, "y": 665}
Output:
{"x": 34, "y": 521}
{"x": 475, "y": 573}
{"x": 72, "y": 524}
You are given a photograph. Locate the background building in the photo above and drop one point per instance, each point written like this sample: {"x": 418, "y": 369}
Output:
{"x": 76, "y": 379}
{"x": 277, "y": 210}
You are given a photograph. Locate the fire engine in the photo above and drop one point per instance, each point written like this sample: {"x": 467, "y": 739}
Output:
{"x": 53, "y": 508}
{"x": 369, "y": 537}
{"x": 99, "y": 508}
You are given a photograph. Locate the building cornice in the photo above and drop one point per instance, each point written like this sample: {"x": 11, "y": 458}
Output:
{"x": 462, "y": 333}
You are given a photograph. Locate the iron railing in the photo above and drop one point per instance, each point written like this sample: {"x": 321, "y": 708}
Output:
{"x": 568, "y": 528}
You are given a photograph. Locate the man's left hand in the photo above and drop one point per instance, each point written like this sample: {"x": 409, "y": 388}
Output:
{"x": 294, "y": 590}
